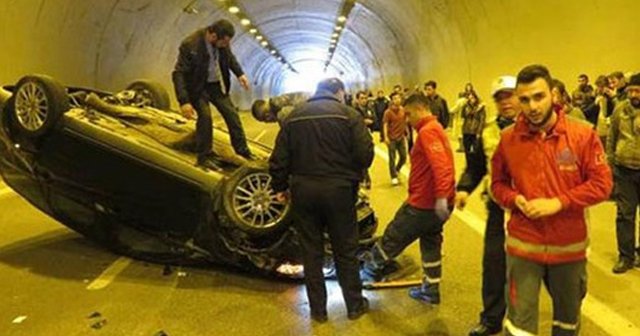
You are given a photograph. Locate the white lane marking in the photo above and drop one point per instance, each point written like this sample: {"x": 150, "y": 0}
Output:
{"x": 109, "y": 274}
{"x": 5, "y": 191}
{"x": 598, "y": 312}
{"x": 260, "y": 135}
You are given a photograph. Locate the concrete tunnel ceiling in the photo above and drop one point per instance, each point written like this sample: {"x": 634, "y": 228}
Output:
{"x": 110, "y": 43}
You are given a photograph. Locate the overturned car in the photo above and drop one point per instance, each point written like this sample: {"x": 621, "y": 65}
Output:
{"x": 119, "y": 169}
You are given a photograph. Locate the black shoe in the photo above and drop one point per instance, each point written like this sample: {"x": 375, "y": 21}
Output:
{"x": 483, "y": 330}
{"x": 210, "y": 163}
{"x": 622, "y": 266}
{"x": 320, "y": 317}
{"x": 249, "y": 156}
{"x": 363, "y": 309}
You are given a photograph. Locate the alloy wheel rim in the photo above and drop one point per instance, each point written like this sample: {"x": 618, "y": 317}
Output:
{"x": 32, "y": 106}
{"x": 255, "y": 203}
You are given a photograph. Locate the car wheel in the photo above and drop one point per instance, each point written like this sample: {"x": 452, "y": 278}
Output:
{"x": 151, "y": 94}
{"x": 250, "y": 202}
{"x": 37, "y": 104}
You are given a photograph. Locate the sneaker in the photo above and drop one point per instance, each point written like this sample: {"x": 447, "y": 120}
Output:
{"x": 482, "y": 329}
{"x": 357, "y": 313}
{"x": 395, "y": 181}
{"x": 427, "y": 296}
{"x": 622, "y": 266}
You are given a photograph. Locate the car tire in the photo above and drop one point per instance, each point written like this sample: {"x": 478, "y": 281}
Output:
{"x": 151, "y": 94}
{"x": 249, "y": 202}
{"x": 36, "y": 105}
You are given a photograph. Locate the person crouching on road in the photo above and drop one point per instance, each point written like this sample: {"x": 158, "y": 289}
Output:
{"x": 423, "y": 215}
{"x": 547, "y": 169}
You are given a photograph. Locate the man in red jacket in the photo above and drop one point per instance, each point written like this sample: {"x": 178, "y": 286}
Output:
{"x": 431, "y": 195}
{"x": 547, "y": 169}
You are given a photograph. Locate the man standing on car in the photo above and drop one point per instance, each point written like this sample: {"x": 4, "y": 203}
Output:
{"x": 547, "y": 169}
{"x": 202, "y": 76}
{"x": 321, "y": 152}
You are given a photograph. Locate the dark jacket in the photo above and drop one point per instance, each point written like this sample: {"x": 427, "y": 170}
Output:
{"x": 321, "y": 138}
{"x": 191, "y": 69}
{"x": 439, "y": 109}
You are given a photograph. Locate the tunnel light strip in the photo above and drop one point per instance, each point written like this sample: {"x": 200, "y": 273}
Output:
{"x": 233, "y": 7}
{"x": 343, "y": 15}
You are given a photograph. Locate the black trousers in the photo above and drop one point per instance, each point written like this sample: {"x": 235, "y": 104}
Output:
{"x": 494, "y": 268}
{"x": 409, "y": 224}
{"x": 319, "y": 205}
{"x": 627, "y": 195}
{"x": 204, "y": 125}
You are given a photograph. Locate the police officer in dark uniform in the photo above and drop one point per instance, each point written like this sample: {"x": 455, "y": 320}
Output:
{"x": 321, "y": 152}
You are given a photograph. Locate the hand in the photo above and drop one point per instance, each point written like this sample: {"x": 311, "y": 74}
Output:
{"x": 521, "y": 202}
{"x": 442, "y": 209}
{"x": 542, "y": 207}
{"x": 244, "y": 82}
{"x": 461, "y": 199}
{"x": 282, "y": 196}
{"x": 188, "y": 111}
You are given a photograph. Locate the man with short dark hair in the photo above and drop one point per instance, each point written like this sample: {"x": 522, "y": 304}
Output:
{"x": 584, "y": 86}
{"x": 623, "y": 153}
{"x": 202, "y": 76}
{"x": 362, "y": 106}
{"x": 437, "y": 104}
{"x": 428, "y": 207}
{"x": 547, "y": 169}
{"x": 322, "y": 149}
{"x": 380, "y": 104}
{"x": 618, "y": 83}
{"x": 394, "y": 130}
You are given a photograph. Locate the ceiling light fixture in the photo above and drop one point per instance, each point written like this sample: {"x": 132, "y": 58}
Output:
{"x": 343, "y": 14}
{"x": 234, "y": 7}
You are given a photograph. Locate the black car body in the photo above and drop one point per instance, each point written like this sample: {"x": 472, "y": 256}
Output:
{"x": 121, "y": 172}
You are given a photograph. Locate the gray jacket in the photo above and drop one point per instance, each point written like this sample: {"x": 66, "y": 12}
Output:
{"x": 623, "y": 142}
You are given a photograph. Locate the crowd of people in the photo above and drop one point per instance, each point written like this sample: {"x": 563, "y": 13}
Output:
{"x": 547, "y": 155}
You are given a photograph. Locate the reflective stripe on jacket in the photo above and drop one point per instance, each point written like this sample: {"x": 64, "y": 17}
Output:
{"x": 567, "y": 163}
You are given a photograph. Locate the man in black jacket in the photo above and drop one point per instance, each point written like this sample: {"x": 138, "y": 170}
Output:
{"x": 322, "y": 149}
{"x": 202, "y": 76}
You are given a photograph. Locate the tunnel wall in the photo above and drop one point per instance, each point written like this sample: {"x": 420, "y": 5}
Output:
{"x": 476, "y": 41}
{"x": 110, "y": 43}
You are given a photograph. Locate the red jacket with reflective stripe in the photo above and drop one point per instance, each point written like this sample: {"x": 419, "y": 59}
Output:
{"x": 432, "y": 170}
{"x": 568, "y": 163}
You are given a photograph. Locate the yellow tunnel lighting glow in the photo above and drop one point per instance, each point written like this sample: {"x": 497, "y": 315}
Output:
{"x": 338, "y": 28}
{"x": 264, "y": 43}
{"x": 340, "y": 19}
{"x": 245, "y": 22}
{"x": 253, "y": 30}
{"x": 273, "y": 52}
{"x": 234, "y": 10}
{"x": 259, "y": 37}
{"x": 335, "y": 35}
